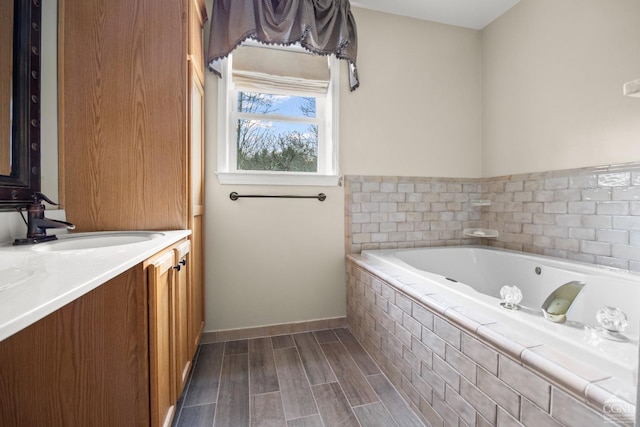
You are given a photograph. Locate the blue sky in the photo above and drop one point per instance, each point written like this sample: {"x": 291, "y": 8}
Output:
{"x": 290, "y": 106}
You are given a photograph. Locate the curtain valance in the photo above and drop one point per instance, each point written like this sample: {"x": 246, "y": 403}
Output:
{"x": 324, "y": 27}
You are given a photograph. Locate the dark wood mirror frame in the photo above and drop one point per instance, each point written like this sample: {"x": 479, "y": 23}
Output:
{"x": 17, "y": 189}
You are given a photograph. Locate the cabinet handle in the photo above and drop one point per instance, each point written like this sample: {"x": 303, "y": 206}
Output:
{"x": 180, "y": 264}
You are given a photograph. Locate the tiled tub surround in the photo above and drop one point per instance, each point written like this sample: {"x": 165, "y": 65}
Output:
{"x": 458, "y": 368}
{"x": 590, "y": 215}
{"x": 404, "y": 212}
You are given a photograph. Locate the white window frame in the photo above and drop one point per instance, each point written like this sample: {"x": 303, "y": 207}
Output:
{"x": 327, "y": 117}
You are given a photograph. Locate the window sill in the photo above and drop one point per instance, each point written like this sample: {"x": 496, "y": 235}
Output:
{"x": 277, "y": 178}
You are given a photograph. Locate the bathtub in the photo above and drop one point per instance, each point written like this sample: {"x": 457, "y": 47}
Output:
{"x": 469, "y": 279}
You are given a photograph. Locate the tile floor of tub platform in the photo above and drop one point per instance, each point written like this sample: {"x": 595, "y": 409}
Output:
{"x": 321, "y": 378}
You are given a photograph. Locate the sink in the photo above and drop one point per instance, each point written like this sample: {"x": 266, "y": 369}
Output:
{"x": 76, "y": 241}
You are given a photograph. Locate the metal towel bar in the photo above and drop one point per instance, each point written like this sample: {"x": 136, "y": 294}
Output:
{"x": 235, "y": 196}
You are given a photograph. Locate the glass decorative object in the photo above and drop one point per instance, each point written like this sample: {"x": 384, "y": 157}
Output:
{"x": 511, "y": 297}
{"x": 612, "y": 319}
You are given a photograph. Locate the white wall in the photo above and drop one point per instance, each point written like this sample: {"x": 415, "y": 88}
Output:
{"x": 49, "y": 104}
{"x": 552, "y": 86}
{"x": 269, "y": 261}
{"x": 419, "y": 100}
{"x": 417, "y": 112}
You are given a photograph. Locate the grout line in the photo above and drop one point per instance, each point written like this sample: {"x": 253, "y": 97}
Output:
{"x": 275, "y": 366}
{"x": 216, "y": 412}
{"x": 250, "y": 415}
{"x": 311, "y": 386}
{"x": 295, "y": 344}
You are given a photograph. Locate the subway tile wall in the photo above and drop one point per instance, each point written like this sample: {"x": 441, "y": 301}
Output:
{"x": 590, "y": 215}
{"x": 405, "y": 212}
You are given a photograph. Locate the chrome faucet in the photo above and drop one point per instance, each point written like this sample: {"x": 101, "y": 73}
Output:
{"x": 558, "y": 303}
{"x": 37, "y": 224}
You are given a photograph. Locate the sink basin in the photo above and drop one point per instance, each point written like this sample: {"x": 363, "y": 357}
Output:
{"x": 71, "y": 242}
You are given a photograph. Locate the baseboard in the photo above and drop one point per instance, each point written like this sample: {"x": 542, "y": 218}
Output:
{"x": 272, "y": 330}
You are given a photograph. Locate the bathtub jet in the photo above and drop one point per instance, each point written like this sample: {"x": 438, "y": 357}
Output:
{"x": 559, "y": 302}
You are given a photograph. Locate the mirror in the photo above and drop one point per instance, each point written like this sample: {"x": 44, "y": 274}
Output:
{"x": 6, "y": 84}
{"x": 20, "y": 23}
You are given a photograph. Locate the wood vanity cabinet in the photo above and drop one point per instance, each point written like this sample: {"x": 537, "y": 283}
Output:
{"x": 170, "y": 352}
{"x": 86, "y": 364}
{"x": 131, "y": 133}
{"x": 119, "y": 355}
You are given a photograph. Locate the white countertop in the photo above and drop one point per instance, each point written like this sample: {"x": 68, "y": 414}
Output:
{"x": 34, "y": 284}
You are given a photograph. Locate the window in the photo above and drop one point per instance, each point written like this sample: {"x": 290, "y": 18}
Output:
{"x": 278, "y": 117}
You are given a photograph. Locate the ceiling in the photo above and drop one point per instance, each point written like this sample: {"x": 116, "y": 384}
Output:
{"x": 474, "y": 14}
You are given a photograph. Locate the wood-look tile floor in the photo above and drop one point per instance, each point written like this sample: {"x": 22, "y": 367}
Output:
{"x": 321, "y": 378}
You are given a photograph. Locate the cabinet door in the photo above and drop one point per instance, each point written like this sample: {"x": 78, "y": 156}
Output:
{"x": 196, "y": 135}
{"x": 182, "y": 296}
{"x": 161, "y": 333}
{"x": 122, "y": 115}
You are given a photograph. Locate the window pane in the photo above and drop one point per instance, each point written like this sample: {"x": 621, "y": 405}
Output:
{"x": 286, "y": 105}
{"x": 277, "y": 146}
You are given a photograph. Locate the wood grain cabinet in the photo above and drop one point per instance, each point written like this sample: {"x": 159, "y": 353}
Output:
{"x": 119, "y": 355}
{"x": 161, "y": 338}
{"x": 131, "y": 121}
{"x": 183, "y": 315}
{"x": 86, "y": 364}
{"x": 170, "y": 353}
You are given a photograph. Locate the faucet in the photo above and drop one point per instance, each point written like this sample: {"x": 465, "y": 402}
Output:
{"x": 37, "y": 224}
{"x": 558, "y": 303}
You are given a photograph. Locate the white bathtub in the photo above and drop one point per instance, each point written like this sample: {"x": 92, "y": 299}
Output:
{"x": 470, "y": 278}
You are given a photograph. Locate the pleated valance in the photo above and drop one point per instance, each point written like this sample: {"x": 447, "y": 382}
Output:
{"x": 323, "y": 27}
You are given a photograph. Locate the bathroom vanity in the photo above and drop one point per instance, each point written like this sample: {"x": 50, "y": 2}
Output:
{"x": 104, "y": 335}
{"x": 98, "y": 336}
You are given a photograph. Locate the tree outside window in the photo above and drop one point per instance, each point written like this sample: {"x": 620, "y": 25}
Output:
{"x": 276, "y": 133}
